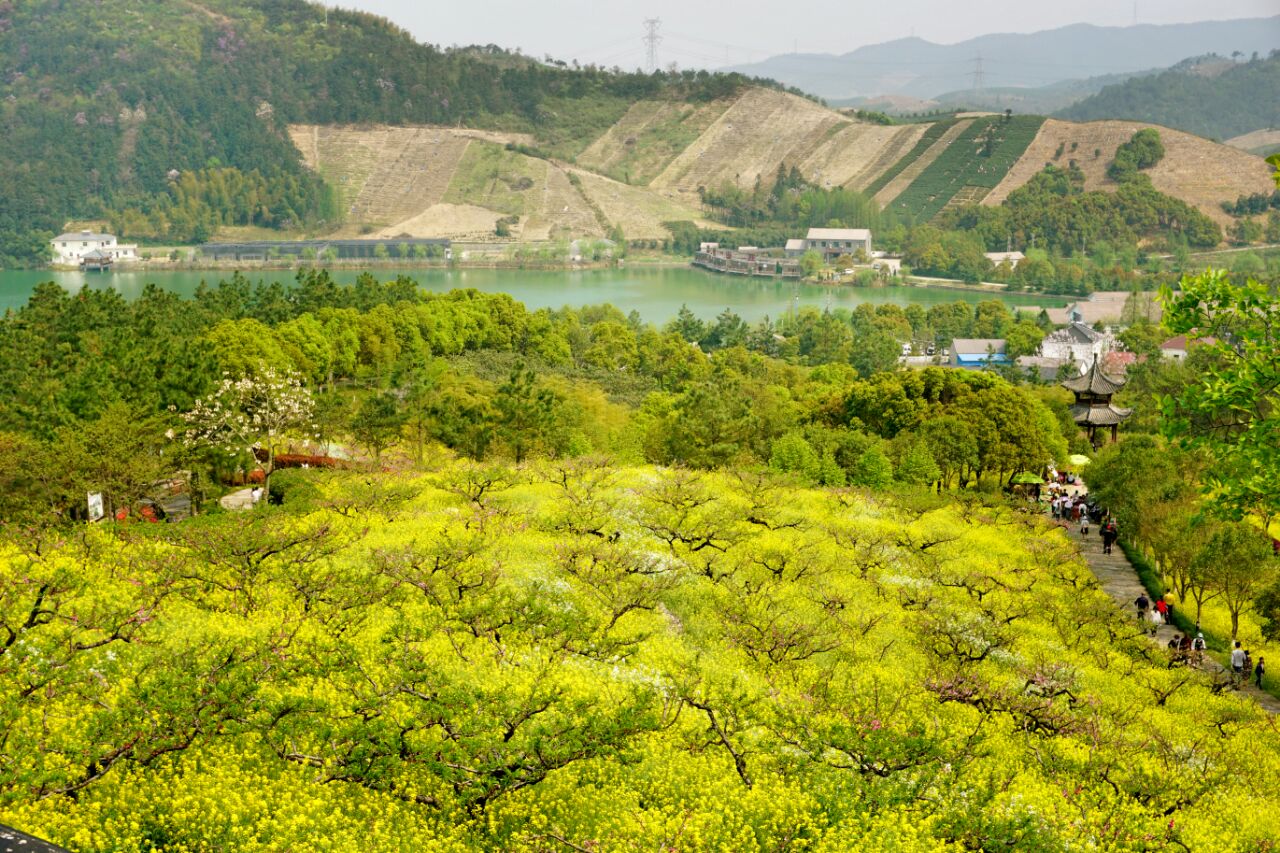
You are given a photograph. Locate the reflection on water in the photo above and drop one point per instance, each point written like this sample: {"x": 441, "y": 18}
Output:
{"x": 655, "y": 292}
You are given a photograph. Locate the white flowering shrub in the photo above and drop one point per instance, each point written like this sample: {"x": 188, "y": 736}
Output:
{"x": 248, "y": 412}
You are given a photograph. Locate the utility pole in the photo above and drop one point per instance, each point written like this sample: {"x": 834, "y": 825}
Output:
{"x": 651, "y": 41}
{"x": 979, "y": 77}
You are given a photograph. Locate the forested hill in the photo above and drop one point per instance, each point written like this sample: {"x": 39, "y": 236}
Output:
{"x": 1242, "y": 98}
{"x": 103, "y": 101}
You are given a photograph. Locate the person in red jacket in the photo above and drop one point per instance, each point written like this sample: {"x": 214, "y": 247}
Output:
{"x": 1163, "y": 607}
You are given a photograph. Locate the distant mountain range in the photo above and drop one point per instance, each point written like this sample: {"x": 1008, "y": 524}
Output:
{"x": 1038, "y": 100}
{"x": 922, "y": 69}
{"x": 1211, "y": 97}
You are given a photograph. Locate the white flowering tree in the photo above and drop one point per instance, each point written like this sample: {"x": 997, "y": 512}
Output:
{"x": 252, "y": 411}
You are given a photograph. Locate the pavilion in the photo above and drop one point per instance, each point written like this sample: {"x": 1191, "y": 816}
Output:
{"x": 1093, "y": 408}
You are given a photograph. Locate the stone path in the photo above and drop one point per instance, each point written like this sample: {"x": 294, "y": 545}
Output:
{"x": 1117, "y": 576}
{"x": 240, "y": 500}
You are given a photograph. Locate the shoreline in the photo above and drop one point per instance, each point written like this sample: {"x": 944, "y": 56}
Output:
{"x": 410, "y": 265}
{"x": 370, "y": 264}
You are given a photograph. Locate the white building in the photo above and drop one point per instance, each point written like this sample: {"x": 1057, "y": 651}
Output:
{"x": 1011, "y": 258}
{"x": 834, "y": 242}
{"x": 888, "y": 266}
{"x": 1078, "y": 343}
{"x": 1177, "y": 348}
{"x": 70, "y": 248}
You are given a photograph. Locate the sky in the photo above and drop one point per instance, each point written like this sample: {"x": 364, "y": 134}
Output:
{"x": 714, "y": 33}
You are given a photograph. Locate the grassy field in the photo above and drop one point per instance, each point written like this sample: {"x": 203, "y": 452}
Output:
{"x": 490, "y": 176}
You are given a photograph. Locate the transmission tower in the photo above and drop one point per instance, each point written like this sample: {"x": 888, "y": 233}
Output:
{"x": 651, "y": 41}
{"x": 978, "y": 75}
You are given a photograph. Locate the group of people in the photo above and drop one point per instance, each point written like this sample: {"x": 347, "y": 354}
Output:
{"x": 1188, "y": 648}
{"x": 1075, "y": 510}
{"x": 1154, "y": 615}
{"x": 1242, "y": 666}
{"x": 1072, "y": 509}
{"x": 1191, "y": 649}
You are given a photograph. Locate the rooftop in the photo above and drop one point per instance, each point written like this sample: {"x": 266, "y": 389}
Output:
{"x": 1075, "y": 333}
{"x": 83, "y": 236}
{"x": 839, "y": 234}
{"x": 977, "y": 346}
{"x": 1094, "y": 382}
{"x": 1181, "y": 342}
{"x": 1107, "y": 415}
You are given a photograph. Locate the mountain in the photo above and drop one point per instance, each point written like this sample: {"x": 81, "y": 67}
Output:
{"x": 658, "y": 161}
{"x": 181, "y": 122}
{"x": 171, "y": 118}
{"x": 1038, "y": 100}
{"x": 1212, "y": 97}
{"x": 922, "y": 69}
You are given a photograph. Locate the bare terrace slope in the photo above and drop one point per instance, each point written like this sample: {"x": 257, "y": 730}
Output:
{"x": 762, "y": 130}
{"x": 1198, "y": 171}
{"x": 646, "y": 169}
{"x": 643, "y": 142}
{"x": 426, "y": 181}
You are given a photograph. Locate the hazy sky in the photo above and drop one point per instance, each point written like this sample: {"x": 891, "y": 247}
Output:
{"x": 710, "y": 33}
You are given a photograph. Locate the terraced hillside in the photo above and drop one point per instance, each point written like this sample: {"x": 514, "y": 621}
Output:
{"x": 645, "y": 140}
{"x": 970, "y": 167}
{"x": 854, "y": 155}
{"x": 1261, "y": 142}
{"x": 1201, "y": 173}
{"x": 386, "y": 176}
{"x": 763, "y": 128}
{"x": 646, "y": 169}
{"x": 918, "y": 161}
{"x": 448, "y": 182}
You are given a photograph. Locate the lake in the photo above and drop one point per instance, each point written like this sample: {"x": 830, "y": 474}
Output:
{"x": 655, "y": 292}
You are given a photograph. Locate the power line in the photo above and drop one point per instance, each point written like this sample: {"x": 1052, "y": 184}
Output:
{"x": 651, "y": 40}
{"x": 979, "y": 78}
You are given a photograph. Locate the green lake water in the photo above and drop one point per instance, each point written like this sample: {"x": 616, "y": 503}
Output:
{"x": 655, "y": 292}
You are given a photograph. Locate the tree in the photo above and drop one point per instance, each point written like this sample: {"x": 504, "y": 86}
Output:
{"x": 525, "y": 412}
{"x": 1143, "y": 339}
{"x": 811, "y": 263}
{"x": 1023, "y": 339}
{"x": 917, "y": 467}
{"x": 378, "y": 422}
{"x": 951, "y": 445}
{"x": 1232, "y": 409}
{"x": 873, "y": 469}
{"x": 792, "y": 454}
{"x": 250, "y": 412}
{"x": 1237, "y": 564}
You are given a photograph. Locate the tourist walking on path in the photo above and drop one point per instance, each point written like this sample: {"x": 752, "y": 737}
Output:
{"x": 1162, "y": 607}
{"x": 1237, "y": 663}
{"x": 1109, "y": 535}
{"x": 1197, "y": 649}
{"x": 1143, "y": 604}
{"x": 1260, "y": 670}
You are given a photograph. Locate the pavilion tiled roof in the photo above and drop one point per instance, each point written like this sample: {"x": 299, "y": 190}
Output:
{"x": 1094, "y": 382}
{"x": 1107, "y": 415}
